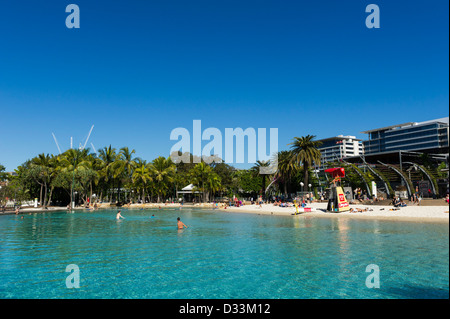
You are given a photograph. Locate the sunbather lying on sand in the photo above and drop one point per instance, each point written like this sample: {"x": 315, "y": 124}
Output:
{"x": 359, "y": 210}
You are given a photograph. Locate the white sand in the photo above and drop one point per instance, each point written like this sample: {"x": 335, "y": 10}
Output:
{"x": 409, "y": 213}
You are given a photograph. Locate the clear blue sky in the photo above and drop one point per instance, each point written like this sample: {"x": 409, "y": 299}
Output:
{"x": 138, "y": 69}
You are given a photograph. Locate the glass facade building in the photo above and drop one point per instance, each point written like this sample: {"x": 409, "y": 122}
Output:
{"x": 425, "y": 136}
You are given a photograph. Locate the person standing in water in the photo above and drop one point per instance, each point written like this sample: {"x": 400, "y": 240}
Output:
{"x": 119, "y": 216}
{"x": 180, "y": 224}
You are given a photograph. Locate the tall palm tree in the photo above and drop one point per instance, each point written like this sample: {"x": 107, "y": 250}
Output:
{"x": 305, "y": 151}
{"x": 286, "y": 168}
{"x": 163, "y": 170}
{"x": 123, "y": 167}
{"x": 141, "y": 176}
{"x": 213, "y": 183}
{"x": 92, "y": 166}
{"x": 200, "y": 174}
{"x": 41, "y": 168}
{"x": 72, "y": 161}
{"x": 108, "y": 156}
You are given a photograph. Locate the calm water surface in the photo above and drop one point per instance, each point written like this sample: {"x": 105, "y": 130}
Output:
{"x": 221, "y": 255}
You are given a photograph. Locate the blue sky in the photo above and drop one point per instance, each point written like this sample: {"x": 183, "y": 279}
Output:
{"x": 138, "y": 69}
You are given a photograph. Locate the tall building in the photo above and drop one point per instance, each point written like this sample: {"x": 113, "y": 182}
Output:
{"x": 430, "y": 136}
{"x": 339, "y": 147}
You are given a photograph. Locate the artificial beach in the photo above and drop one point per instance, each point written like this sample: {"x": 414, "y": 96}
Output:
{"x": 436, "y": 213}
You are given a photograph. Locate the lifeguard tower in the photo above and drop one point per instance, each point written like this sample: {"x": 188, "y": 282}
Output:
{"x": 336, "y": 200}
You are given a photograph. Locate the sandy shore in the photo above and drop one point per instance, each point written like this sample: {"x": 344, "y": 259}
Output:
{"x": 409, "y": 213}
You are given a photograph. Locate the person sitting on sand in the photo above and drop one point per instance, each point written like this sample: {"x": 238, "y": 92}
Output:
{"x": 395, "y": 201}
{"x": 401, "y": 203}
{"x": 180, "y": 224}
{"x": 417, "y": 198}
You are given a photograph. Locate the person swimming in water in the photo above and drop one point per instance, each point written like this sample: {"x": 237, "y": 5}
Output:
{"x": 119, "y": 216}
{"x": 180, "y": 224}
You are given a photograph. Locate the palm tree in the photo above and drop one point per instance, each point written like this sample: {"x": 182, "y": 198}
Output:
{"x": 72, "y": 161}
{"x": 108, "y": 156}
{"x": 42, "y": 167}
{"x": 123, "y": 167}
{"x": 202, "y": 174}
{"x": 162, "y": 171}
{"x": 286, "y": 168}
{"x": 92, "y": 172}
{"x": 305, "y": 151}
{"x": 213, "y": 183}
{"x": 141, "y": 176}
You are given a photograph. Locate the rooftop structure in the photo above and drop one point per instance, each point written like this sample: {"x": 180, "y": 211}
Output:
{"x": 338, "y": 147}
{"x": 429, "y": 136}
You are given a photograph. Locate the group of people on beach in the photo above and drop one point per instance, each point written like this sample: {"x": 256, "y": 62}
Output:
{"x": 415, "y": 198}
{"x": 398, "y": 202}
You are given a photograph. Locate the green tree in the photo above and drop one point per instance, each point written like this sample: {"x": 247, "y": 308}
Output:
{"x": 141, "y": 176}
{"x": 71, "y": 162}
{"x": 123, "y": 167}
{"x": 259, "y": 167}
{"x": 286, "y": 169}
{"x": 108, "y": 156}
{"x": 199, "y": 176}
{"x": 162, "y": 172}
{"x": 305, "y": 152}
{"x": 41, "y": 171}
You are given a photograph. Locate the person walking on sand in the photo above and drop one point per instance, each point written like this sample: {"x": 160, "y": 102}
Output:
{"x": 180, "y": 224}
{"x": 119, "y": 216}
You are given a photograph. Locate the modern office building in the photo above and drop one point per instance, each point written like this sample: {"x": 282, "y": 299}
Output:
{"x": 430, "y": 136}
{"x": 339, "y": 147}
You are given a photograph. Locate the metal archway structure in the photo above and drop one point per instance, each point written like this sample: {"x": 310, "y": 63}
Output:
{"x": 433, "y": 188}
{"x": 407, "y": 182}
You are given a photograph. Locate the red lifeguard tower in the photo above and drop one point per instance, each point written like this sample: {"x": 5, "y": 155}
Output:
{"x": 336, "y": 200}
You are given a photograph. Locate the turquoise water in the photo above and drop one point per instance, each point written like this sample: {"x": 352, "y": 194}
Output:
{"x": 221, "y": 255}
